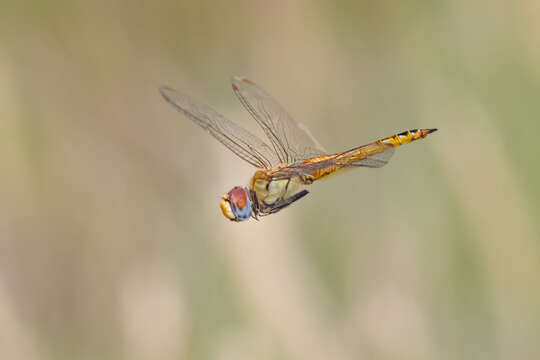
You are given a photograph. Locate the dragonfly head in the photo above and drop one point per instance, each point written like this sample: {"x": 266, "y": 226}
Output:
{"x": 236, "y": 204}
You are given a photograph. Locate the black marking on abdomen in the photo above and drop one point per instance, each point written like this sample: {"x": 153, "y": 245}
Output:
{"x": 406, "y": 132}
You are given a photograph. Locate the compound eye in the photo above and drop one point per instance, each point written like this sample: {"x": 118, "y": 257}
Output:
{"x": 238, "y": 197}
{"x": 239, "y": 203}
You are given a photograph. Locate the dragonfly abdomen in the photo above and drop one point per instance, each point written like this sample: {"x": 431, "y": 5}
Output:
{"x": 377, "y": 153}
{"x": 406, "y": 137}
{"x": 322, "y": 172}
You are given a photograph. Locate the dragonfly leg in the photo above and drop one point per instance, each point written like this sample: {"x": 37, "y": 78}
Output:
{"x": 254, "y": 204}
{"x": 281, "y": 204}
{"x": 308, "y": 179}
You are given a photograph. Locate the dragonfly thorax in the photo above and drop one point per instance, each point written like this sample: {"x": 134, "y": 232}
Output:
{"x": 236, "y": 204}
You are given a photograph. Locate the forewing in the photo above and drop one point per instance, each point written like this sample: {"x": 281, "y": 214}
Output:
{"x": 292, "y": 141}
{"x": 240, "y": 141}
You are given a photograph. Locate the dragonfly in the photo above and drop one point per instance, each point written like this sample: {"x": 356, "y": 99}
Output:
{"x": 290, "y": 160}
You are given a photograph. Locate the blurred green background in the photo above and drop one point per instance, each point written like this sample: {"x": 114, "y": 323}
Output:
{"x": 112, "y": 244}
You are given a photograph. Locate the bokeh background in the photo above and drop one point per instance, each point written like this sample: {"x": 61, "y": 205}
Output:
{"x": 112, "y": 244}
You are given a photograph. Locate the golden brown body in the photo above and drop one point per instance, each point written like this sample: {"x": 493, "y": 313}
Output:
{"x": 282, "y": 182}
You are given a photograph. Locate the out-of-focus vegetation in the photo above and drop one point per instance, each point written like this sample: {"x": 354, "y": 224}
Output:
{"x": 112, "y": 245}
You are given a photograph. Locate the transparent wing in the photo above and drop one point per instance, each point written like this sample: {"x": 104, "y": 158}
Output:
{"x": 372, "y": 161}
{"x": 292, "y": 141}
{"x": 240, "y": 141}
